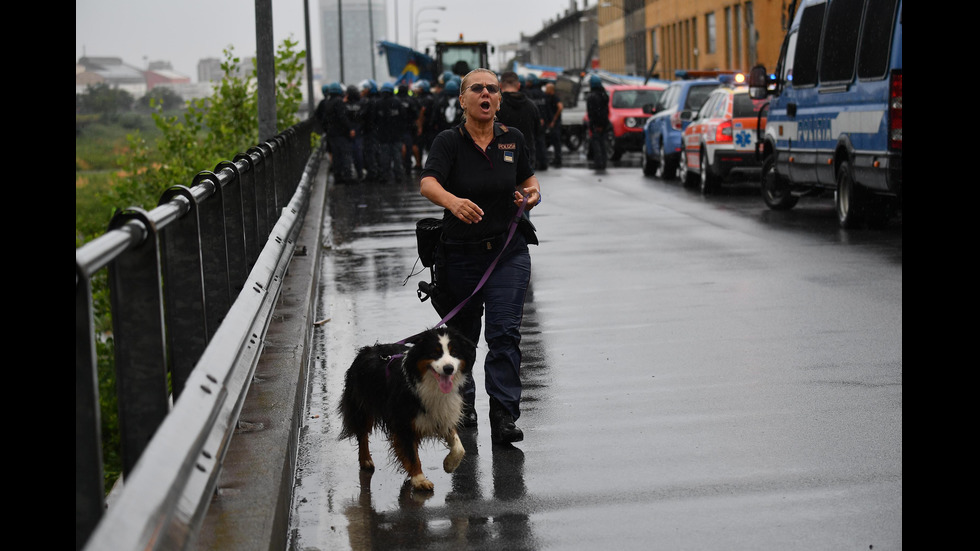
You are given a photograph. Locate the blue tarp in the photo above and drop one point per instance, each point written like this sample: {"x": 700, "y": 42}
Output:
{"x": 406, "y": 65}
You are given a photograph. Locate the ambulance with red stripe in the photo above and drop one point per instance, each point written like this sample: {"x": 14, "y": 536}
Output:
{"x": 719, "y": 143}
{"x": 834, "y": 121}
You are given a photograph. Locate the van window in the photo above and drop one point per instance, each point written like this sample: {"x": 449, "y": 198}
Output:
{"x": 697, "y": 95}
{"x": 807, "y": 45}
{"x": 634, "y": 99}
{"x": 708, "y": 107}
{"x": 744, "y": 106}
{"x": 840, "y": 41}
{"x": 789, "y": 58}
{"x": 876, "y": 39}
{"x": 670, "y": 97}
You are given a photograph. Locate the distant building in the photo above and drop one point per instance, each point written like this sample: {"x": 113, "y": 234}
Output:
{"x": 90, "y": 71}
{"x": 163, "y": 76}
{"x": 160, "y": 66}
{"x": 209, "y": 70}
{"x": 567, "y": 40}
{"x": 681, "y": 34}
{"x": 349, "y": 33}
{"x": 112, "y": 71}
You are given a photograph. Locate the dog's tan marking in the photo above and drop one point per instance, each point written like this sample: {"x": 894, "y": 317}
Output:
{"x": 420, "y": 482}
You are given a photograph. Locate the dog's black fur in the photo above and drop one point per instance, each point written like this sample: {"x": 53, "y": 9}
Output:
{"x": 410, "y": 392}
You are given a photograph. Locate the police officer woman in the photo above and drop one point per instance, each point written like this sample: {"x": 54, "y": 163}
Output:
{"x": 480, "y": 173}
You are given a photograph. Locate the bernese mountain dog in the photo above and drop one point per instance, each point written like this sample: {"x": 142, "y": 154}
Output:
{"x": 410, "y": 392}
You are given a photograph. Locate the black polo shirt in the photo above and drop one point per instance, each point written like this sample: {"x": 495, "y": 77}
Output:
{"x": 486, "y": 177}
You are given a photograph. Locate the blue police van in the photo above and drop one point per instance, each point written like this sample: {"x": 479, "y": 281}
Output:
{"x": 834, "y": 122}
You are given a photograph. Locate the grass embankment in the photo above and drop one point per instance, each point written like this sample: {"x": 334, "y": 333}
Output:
{"x": 100, "y": 147}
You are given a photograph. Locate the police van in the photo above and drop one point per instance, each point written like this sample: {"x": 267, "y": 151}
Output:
{"x": 834, "y": 122}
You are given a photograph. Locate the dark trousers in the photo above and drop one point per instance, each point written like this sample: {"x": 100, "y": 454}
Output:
{"x": 598, "y": 147}
{"x": 390, "y": 167}
{"x": 554, "y": 140}
{"x": 541, "y": 152}
{"x": 358, "y": 155}
{"x": 502, "y": 300}
{"x": 341, "y": 150}
{"x": 372, "y": 162}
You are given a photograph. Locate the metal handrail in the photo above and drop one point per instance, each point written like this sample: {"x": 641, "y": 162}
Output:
{"x": 193, "y": 283}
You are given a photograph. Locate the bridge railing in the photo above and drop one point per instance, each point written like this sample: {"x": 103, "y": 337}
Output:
{"x": 192, "y": 286}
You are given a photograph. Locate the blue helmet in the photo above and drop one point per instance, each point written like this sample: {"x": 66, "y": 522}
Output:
{"x": 532, "y": 79}
{"x": 369, "y": 85}
{"x": 335, "y": 89}
{"x": 595, "y": 81}
{"x": 325, "y": 89}
{"x": 422, "y": 86}
{"x": 445, "y": 77}
{"x": 452, "y": 86}
{"x": 388, "y": 87}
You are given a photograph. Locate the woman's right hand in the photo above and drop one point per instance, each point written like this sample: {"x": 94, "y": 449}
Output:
{"x": 464, "y": 209}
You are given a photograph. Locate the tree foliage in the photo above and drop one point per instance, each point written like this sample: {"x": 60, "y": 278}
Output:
{"x": 212, "y": 129}
{"x": 104, "y": 100}
{"x": 165, "y": 97}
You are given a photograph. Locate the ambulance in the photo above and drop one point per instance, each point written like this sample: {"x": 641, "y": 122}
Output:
{"x": 834, "y": 121}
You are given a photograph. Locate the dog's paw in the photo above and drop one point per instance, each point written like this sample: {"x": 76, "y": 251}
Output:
{"x": 453, "y": 459}
{"x": 420, "y": 482}
{"x": 456, "y": 453}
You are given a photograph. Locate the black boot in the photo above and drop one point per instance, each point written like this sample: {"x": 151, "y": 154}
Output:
{"x": 502, "y": 427}
{"x": 469, "y": 419}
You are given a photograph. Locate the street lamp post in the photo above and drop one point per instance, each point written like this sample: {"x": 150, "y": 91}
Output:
{"x": 418, "y": 30}
{"x": 415, "y": 15}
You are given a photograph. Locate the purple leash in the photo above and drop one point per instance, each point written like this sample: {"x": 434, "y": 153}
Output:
{"x": 486, "y": 276}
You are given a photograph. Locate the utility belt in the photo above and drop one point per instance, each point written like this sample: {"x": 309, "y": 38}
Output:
{"x": 489, "y": 245}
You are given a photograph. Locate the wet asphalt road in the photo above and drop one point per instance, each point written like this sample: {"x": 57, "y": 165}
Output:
{"x": 700, "y": 373}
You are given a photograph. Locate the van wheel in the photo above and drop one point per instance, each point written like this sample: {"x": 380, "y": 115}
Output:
{"x": 650, "y": 168}
{"x": 572, "y": 139}
{"x": 849, "y": 198}
{"x": 709, "y": 181}
{"x": 684, "y": 174}
{"x": 775, "y": 190}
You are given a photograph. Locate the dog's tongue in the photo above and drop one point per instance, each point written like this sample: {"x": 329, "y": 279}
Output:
{"x": 445, "y": 383}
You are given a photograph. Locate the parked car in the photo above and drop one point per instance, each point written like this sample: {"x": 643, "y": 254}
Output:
{"x": 626, "y": 115}
{"x": 835, "y": 119}
{"x": 720, "y": 142}
{"x": 662, "y": 132}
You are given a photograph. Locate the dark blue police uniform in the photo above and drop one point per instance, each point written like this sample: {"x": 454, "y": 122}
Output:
{"x": 488, "y": 177}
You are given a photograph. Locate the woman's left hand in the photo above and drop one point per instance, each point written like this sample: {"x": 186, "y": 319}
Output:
{"x": 533, "y": 195}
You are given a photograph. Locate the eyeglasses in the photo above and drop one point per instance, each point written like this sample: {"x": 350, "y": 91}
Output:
{"x": 478, "y": 88}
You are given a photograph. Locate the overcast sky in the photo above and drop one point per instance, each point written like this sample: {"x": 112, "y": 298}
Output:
{"x": 185, "y": 31}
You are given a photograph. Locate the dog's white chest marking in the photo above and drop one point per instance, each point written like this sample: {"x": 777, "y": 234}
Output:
{"x": 442, "y": 409}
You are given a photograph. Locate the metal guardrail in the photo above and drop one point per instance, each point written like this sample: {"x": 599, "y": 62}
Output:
{"x": 174, "y": 275}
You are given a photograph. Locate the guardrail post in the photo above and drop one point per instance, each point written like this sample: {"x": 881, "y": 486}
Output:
{"x": 254, "y": 235}
{"x": 183, "y": 272}
{"x": 234, "y": 228}
{"x": 266, "y": 195}
{"x": 214, "y": 254}
{"x": 138, "y": 336}
{"x": 89, "y": 474}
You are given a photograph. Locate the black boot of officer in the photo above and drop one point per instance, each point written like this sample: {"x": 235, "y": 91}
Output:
{"x": 502, "y": 427}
